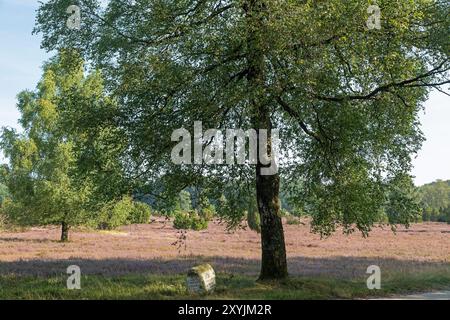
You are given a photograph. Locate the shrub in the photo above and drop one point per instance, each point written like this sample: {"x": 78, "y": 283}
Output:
{"x": 383, "y": 218}
{"x": 123, "y": 212}
{"x": 205, "y": 209}
{"x": 4, "y": 193}
{"x": 189, "y": 220}
{"x": 140, "y": 213}
{"x": 13, "y": 217}
{"x": 182, "y": 220}
{"x": 2, "y": 215}
{"x": 115, "y": 214}
{"x": 183, "y": 202}
{"x": 3, "y": 221}
{"x": 207, "y": 213}
{"x": 198, "y": 224}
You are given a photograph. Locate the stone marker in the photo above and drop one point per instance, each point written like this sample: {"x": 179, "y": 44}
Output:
{"x": 201, "y": 279}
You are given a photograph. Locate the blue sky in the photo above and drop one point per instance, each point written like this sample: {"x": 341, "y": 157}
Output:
{"x": 20, "y": 68}
{"x": 20, "y": 55}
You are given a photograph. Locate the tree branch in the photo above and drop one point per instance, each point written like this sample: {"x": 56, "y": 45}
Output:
{"x": 294, "y": 114}
{"x": 387, "y": 87}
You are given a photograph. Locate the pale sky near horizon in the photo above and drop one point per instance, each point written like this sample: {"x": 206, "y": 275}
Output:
{"x": 20, "y": 68}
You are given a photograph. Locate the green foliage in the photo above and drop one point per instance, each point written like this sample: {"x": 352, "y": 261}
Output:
{"x": 436, "y": 194}
{"x": 64, "y": 165}
{"x": 123, "y": 212}
{"x": 253, "y": 218}
{"x": 234, "y": 201}
{"x": 346, "y": 99}
{"x": 3, "y": 215}
{"x": 186, "y": 220}
{"x": 199, "y": 223}
{"x": 205, "y": 209}
{"x": 448, "y": 215}
{"x": 140, "y": 213}
{"x": 435, "y": 201}
{"x": 182, "y": 220}
{"x": 115, "y": 214}
{"x": 184, "y": 202}
{"x": 402, "y": 202}
{"x": 4, "y": 193}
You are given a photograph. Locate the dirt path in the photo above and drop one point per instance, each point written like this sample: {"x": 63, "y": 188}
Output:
{"x": 438, "y": 295}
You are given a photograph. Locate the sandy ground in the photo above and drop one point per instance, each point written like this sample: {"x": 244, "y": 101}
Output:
{"x": 153, "y": 248}
{"x": 439, "y": 295}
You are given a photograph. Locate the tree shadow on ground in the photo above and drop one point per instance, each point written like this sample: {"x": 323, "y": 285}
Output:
{"x": 339, "y": 267}
{"x": 9, "y": 239}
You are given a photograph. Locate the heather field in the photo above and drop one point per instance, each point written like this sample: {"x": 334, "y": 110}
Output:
{"x": 156, "y": 248}
{"x": 155, "y": 252}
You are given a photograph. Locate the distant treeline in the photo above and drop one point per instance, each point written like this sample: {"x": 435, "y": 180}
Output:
{"x": 435, "y": 201}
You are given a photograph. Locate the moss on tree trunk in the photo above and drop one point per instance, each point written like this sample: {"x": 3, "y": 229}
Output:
{"x": 273, "y": 263}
